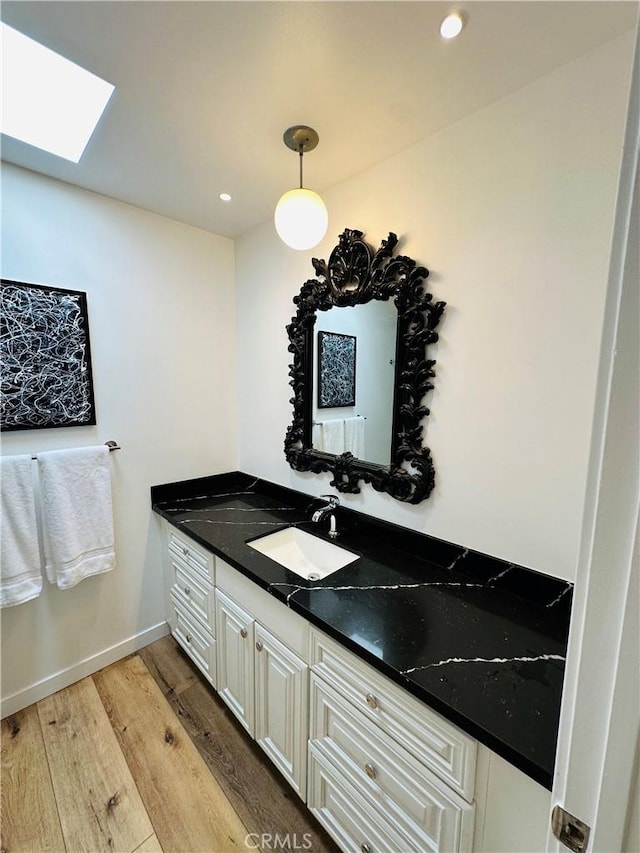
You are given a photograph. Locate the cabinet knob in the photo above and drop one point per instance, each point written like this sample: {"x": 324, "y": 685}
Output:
{"x": 187, "y": 590}
{"x": 243, "y": 633}
{"x": 370, "y": 770}
{"x": 365, "y": 848}
{"x": 372, "y": 702}
{"x": 259, "y": 646}
{"x": 188, "y": 637}
{"x": 185, "y": 552}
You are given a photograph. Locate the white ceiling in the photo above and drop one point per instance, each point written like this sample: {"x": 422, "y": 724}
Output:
{"x": 204, "y": 90}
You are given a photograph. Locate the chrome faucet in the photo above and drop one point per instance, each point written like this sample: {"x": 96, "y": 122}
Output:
{"x": 319, "y": 514}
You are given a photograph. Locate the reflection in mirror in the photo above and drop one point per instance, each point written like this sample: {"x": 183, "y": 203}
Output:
{"x": 358, "y": 397}
{"x": 364, "y": 428}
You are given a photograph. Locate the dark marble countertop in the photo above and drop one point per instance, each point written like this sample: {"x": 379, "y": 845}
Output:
{"x": 481, "y": 641}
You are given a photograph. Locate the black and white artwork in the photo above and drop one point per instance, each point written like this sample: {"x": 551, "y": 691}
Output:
{"x": 46, "y": 358}
{"x": 336, "y": 370}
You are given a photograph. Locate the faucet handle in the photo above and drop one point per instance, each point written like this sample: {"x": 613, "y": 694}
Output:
{"x": 334, "y": 501}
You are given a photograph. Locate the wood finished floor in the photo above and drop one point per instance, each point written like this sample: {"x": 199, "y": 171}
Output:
{"x": 143, "y": 756}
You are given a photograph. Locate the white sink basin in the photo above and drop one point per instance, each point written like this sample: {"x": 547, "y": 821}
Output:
{"x": 306, "y": 555}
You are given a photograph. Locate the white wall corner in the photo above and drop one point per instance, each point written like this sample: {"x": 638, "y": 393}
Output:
{"x": 59, "y": 680}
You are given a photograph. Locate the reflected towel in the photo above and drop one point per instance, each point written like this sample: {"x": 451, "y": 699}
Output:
{"x": 76, "y": 513}
{"x": 316, "y": 437}
{"x": 354, "y": 436}
{"x": 20, "y": 566}
{"x": 333, "y": 436}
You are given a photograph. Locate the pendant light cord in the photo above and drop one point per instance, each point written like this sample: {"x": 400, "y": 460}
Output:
{"x": 301, "y": 152}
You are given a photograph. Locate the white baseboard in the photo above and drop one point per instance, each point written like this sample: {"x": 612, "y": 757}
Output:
{"x": 17, "y": 701}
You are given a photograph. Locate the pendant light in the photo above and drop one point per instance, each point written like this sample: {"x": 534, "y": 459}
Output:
{"x": 301, "y": 216}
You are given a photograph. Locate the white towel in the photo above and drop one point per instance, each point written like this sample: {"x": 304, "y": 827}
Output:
{"x": 333, "y": 436}
{"x": 354, "y": 436}
{"x": 20, "y": 566}
{"x": 77, "y": 513}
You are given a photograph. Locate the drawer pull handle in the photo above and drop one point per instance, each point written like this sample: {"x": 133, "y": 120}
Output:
{"x": 372, "y": 702}
{"x": 243, "y": 633}
{"x": 370, "y": 770}
{"x": 259, "y": 646}
{"x": 185, "y": 552}
{"x": 187, "y": 591}
{"x": 188, "y": 637}
{"x": 365, "y": 848}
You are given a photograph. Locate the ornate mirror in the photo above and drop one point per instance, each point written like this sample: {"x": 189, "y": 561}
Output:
{"x": 359, "y": 340}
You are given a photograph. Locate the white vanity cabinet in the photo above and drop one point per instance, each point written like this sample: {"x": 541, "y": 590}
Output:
{"x": 190, "y": 601}
{"x": 380, "y": 770}
{"x": 411, "y": 771}
{"x": 258, "y": 665}
{"x": 262, "y": 680}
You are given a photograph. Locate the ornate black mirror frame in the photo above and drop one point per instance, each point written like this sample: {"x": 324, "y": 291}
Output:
{"x": 355, "y": 275}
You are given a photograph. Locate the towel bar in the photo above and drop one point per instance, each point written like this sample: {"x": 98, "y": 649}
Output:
{"x": 112, "y": 445}
{"x": 319, "y": 423}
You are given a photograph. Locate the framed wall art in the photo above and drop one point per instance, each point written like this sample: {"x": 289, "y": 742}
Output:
{"x": 336, "y": 370}
{"x": 46, "y": 358}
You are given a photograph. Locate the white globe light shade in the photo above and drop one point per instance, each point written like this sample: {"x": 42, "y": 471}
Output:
{"x": 452, "y": 26}
{"x": 301, "y": 219}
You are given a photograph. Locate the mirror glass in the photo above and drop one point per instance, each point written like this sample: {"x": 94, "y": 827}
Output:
{"x": 364, "y": 428}
{"x": 360, "y": 370}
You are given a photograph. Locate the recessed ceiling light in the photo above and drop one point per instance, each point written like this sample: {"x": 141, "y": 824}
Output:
{"x": 224, "y": 197}
{"x": 47, "y": 100}
{"x": 452, "y": 26}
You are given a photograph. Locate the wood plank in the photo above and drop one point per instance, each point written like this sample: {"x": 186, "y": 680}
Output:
{"x": 169, "y": 666}
{"x": 28, "y": 815}
{"x": 150, "y": 845}
{"x": 186, "y": 805}
{"x": 98, "y": 802}
{"x": 262, "y": 798}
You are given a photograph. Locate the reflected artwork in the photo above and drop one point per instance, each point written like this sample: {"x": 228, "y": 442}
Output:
{"x": 336, "y": 370}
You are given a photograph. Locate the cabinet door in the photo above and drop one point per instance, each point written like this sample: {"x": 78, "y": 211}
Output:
{"x": 281, "y": 707}
{"x": 235, "y": 656}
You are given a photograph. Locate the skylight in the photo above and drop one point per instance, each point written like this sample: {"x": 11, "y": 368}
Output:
{"x": 47, "y": 100}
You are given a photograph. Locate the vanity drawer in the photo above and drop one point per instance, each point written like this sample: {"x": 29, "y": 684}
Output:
{"x": 193, "y": 592}
{"x": 435, "y": 742}
{"x": 345, "y": 815}
{"x": 399, "y": 788}
{"x": 197, "y": 559}
{"x": 194, "y": 639}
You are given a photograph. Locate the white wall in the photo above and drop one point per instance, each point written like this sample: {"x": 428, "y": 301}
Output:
{"x": 512, "y": 211}
{"x": 161, "y": 316}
